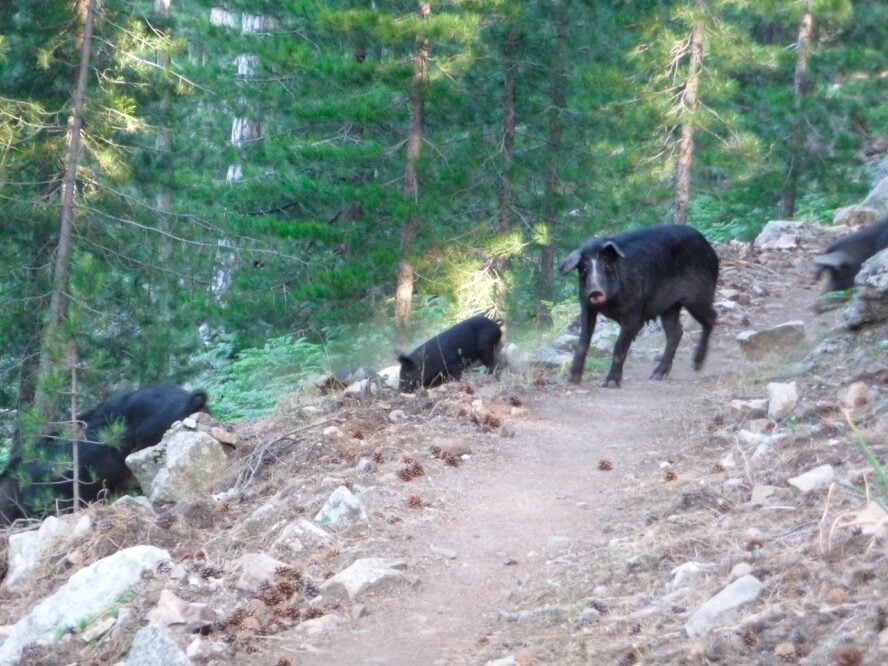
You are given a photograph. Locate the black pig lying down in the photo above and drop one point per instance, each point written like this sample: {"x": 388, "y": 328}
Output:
{"x": 637, "y": 276}
{"x": 28, "y": 487}
{"x": 843, "y": 259}
{"x": 448, "y": 353}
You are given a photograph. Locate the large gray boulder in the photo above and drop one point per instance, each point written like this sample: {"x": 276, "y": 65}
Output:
{"x": 88, "y": 594}
{"x": 877, "y": 199}
{"x": 185, "y": 464}
{"x": 870, "y": 302}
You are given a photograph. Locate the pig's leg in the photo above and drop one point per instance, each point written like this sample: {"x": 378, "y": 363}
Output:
{"x": 706, "y": 315}
{"x": 587, "y": 327}
{"x": 673, "y": 330}
{"x": 628, "y": 331}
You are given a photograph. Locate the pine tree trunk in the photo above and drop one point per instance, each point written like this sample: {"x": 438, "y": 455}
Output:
{"x": 164, "y": 144}
{"x": 505, "y": 214}
{"x": 800, "y": 89}
{"x": 50, "y": 347}
{"x": 689, "y": 103}
{"x": 506, "y": 207}
{"x": 404, "y": 288}
{"x": 553, "y": 173}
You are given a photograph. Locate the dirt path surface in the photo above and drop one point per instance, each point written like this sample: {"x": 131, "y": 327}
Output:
{"x": 541, "y": 521}
{"x": 532, "y": 510}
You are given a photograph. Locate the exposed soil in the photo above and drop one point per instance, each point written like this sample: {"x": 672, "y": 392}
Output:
{"x": 565, "y": 511}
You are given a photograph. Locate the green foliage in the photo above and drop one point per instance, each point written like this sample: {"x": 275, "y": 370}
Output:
{"x": 252, "y": 384}
{"x": 308, "y": 237}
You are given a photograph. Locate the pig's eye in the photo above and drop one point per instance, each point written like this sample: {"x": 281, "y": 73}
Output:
{"x": 609, "y": 268}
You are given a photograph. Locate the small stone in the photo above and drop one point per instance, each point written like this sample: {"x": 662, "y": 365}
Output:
{"x": 761, "y": 493}
{"x": 784, "y": 650}
{"x": 814, "y": 479}
{"x": 739, "y": 570}
{"x": 446, "y": 553}
{"x": 782, "y": 400}
{"x": 223, "y": 435}
{"x": 97, "y": 629}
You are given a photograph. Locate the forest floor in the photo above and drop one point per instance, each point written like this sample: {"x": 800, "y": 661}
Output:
{"x": 557, "y": 530}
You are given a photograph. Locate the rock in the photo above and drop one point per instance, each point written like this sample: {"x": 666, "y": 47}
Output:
{"x": 761, "y": 493}
{"x": 779, "y": 235}
{"x": 523, "y": 616}
{"x": 397, "y": 415}
{"x": 762, "y": 443}
{"x": 782, "y": 400}
{"x": 302, "y": 536}
{"x": 202, "y": 649}
{"x": 171, "y": 610}
{"x": 224, "y": 436}
{"x": 26, "y": 550}
{"x": 185, "y": 463}
{"x": 854, "y": 216}
{"x": 321, "y": 625}
{"x": 256, "y": 569}
{"x": 342, "y": 509}
{"x": 446, "y": 553}
{"x": 751, "y": 409}
{"x": 877, "y": 199}
{"x": 761, "y": 426}
{"x": 739, "y": 570}
{"x": 371, "y": 573}
{"x": 333, "y": 432}
{"x": 741, "y": 591}
{"x": 361, "y": 388}
{"x": 686, "y": 572}
{"x": 88, "y": 593}
{"x": 870, "y": 302}
{"x": 502, "y": 661}
{"x": 819, "y": 477}
{"x": 788, "y": 335}
{"x": 153, "y": 645}
{"x": 366, "y": 465}
{"x": 139, "y": 503}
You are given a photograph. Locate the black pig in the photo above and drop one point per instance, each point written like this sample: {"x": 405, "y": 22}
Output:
{"x": 27, "y": 488}
{"x": 147, "y": 413}
{"x": 638, "y": 276}
{"x": 448, "y": 353}
{"x": 843, "y": 259}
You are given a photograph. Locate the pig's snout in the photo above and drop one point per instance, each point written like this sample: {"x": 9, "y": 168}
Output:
{"x": 597, "y": 297}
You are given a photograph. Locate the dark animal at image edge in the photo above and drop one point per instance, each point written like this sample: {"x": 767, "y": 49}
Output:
{"x": 447, "y": 354}
{"x": 146, "y": 413}
{"x": 638, "y": 276}
{"x": 843, "y": 259}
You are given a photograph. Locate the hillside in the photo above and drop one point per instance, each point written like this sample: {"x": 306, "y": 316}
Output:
{"x": 530, "y": 521}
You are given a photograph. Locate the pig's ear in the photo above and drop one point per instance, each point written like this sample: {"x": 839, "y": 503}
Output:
{"x": 612, "y": 250}
{"x": 572, "y": 261}
{"x": 406, "y": 362}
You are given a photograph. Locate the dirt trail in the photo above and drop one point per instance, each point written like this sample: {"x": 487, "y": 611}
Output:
{"x": 501, "y": 513}
{"x": 504, "y": 511}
